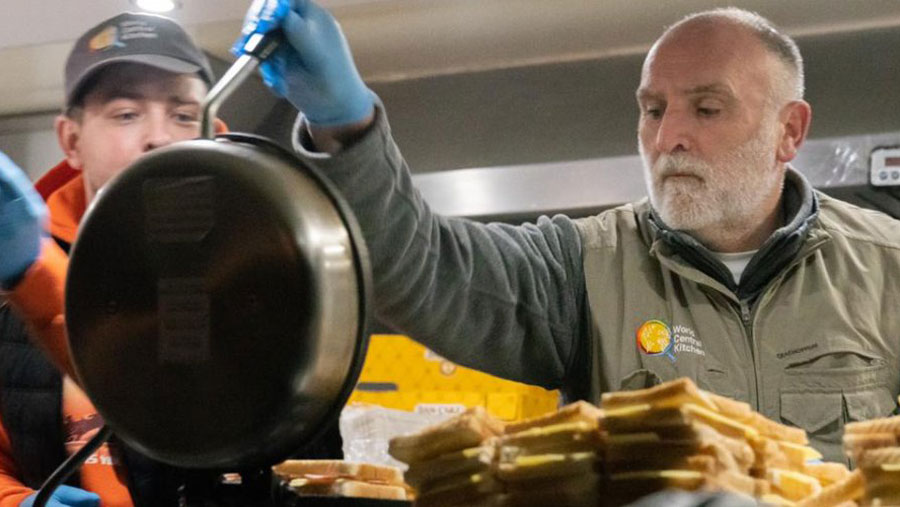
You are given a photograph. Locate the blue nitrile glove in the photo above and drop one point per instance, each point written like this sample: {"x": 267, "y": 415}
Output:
{"x": 22, "y": 215}
{"x": 66, "y": 496}
{"x": 312, "y": 68}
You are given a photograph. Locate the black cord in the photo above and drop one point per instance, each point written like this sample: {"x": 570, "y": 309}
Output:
{"x": 70, "y": 465}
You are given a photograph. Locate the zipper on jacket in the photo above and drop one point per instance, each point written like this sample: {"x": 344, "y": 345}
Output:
{"x": 746, "y": 316}
{"x": 747, "y": 319}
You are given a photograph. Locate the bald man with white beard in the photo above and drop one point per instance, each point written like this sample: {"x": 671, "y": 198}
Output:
{"x": 734, "y": 272}
{"x": 721, "y": 115}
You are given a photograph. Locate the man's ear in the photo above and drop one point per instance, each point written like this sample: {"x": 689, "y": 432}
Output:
{"x": 795, "y": 118}
{"x": 220, "y": 126}
{"x": 68, "y": 134}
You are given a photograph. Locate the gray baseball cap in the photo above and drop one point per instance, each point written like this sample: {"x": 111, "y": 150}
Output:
{"x": 148, "y": 39}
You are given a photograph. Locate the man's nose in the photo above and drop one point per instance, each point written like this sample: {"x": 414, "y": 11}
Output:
{"x": 674, "y": 133}
{"x": 158, "y": 133}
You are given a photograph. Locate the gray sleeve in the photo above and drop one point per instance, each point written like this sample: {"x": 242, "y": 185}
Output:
{"x": 507, "y": 300}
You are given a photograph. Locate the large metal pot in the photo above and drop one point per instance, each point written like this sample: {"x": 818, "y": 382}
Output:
{"x": 216, "y": 303}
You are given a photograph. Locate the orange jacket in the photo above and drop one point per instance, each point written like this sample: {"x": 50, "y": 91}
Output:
{"x": 39, "y": 299}
{"x": 39, "y": 295}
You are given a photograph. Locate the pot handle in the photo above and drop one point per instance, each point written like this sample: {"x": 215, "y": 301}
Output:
{"x": 257, "y": 48}
{"x": 69, "y": 466}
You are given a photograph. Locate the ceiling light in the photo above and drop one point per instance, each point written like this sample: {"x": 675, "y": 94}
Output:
{"x": 156, "y": 5}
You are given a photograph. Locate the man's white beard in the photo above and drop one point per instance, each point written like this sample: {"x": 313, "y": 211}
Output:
{"x": 725, "y": 193}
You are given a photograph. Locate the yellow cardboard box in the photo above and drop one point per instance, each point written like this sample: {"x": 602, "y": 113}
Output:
{"x": 402, "y": 374}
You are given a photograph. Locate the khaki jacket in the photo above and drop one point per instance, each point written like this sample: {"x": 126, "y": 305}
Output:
{"x": 817, "y": 347}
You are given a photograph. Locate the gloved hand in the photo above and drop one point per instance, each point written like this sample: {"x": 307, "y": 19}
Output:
{"x": 22, "y": 216}
{"x": 66, "y": 496}
{"x": 312, "y": 68}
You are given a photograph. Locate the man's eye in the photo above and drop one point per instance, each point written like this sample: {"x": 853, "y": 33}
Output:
{"x": 707, "y": 111}
{"x": 653, "y": 112}
{"x": 126, "y": 116}
{"x": 186, "y": 118}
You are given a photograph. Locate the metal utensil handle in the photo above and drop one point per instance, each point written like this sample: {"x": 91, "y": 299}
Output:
{"x": 70, "y": 465}
{"x": 257, "y": 48}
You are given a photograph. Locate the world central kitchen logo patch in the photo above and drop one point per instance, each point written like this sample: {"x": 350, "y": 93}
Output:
{"x": 107, "y": 38}
{"x": 655, "y": 338}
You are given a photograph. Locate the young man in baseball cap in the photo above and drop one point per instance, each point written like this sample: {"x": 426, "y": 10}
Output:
{"x": 133, "y": 83}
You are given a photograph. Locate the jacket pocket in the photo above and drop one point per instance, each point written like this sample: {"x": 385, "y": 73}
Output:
{"x": 820, "y": 414}
{"x": 869, "y": 404}
{"x": 639, "y": 379}
{"x": 823, "y": 400}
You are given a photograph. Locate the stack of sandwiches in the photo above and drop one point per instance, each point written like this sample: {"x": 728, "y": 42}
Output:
{"x": 673, "y": 435}
{"x": 474, "y": 460}
{"x": 552, "y": 460}
{"x": 451, "y": 463}
{"x": 336, "y": 478}
{"x": 676, "y": 435}
{"x": 875, "y": 448}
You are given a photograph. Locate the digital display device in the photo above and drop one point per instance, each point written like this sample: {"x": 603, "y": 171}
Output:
{"x": 884, "y": 169}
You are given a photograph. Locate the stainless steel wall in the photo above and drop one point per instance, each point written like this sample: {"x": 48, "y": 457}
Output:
{"x": 574, "y": 116}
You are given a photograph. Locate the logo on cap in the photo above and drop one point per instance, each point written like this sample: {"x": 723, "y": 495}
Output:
{"x": 116, "y": 35}
{"x": 107, "y": 38}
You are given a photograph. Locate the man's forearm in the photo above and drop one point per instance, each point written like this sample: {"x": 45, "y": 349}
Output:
{"x": 39, "y": 297}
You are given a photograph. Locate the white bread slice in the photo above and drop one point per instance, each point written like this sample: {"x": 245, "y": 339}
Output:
{"x": 543, "y": 466}
{"x": 742, "y": 413}
{"x": 878, "y": 457}
{"x": 826, "y": 472}
{"x": 347, "y": 488}
{"x": 798, "y": 455}
{"x": 794, "y": 486}
{"x": 856, "y": 444}
{"x": 849, "y": 488}
{"x": 882, "y": 425}
{"x": 646, "y": 417}
{"x": 573, "y": 412}
{"x": 777, "y": 431}
{"x": 468, "y": 462}
{"x": 557, "y": 438}
{"x": 466, "y": 430}
{"x": 668, "y": 394}
{"x": 720, "y": 423}
{"x": 297, "y": 468}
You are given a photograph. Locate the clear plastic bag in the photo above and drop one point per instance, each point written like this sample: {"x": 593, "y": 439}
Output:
{"x": 367, "y": 429}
